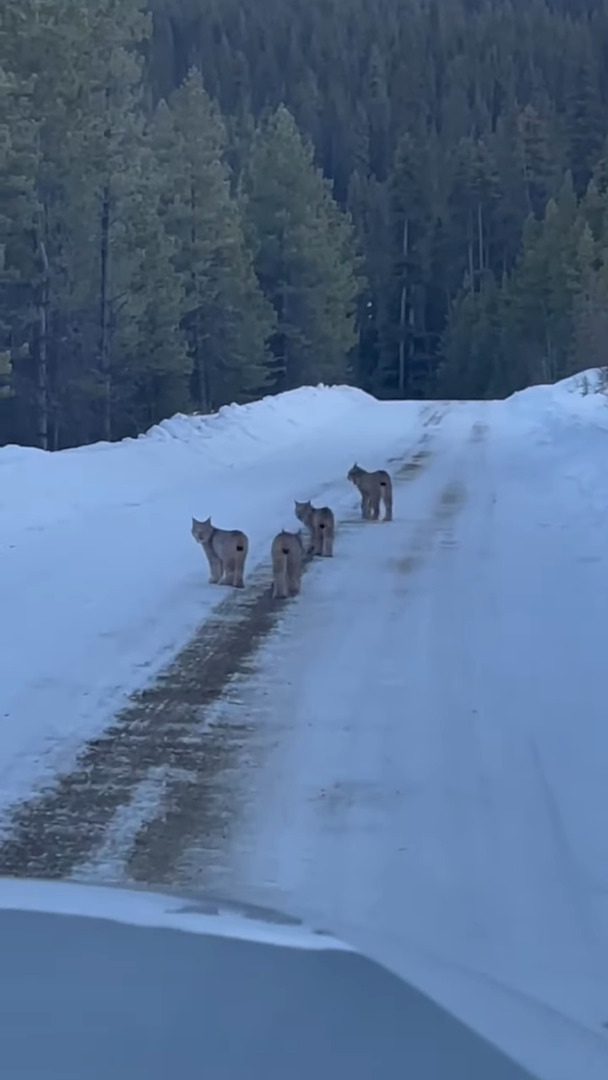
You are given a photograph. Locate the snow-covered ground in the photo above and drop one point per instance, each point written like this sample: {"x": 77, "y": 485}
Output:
{"x": 434, "y": 711}
{"x": 100, "y": 580}
{"x": 431, "y": 775}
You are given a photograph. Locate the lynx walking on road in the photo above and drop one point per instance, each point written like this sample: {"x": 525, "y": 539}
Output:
{"x": 319, "y": 520}
{"x": 373, "y": 487}
{"x": 226, "y": 550}
{"x": 286, "y": 553}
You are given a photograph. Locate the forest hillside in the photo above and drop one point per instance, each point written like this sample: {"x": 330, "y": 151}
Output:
{"x": 203, "y": 201}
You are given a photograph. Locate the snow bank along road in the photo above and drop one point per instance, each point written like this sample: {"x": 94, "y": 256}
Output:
{"x": 415, "y": 749}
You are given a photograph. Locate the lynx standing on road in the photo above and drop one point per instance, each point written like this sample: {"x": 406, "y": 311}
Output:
{"x": 319, "y": 520}
{"x": 286, "y": 553}
{"x": 373, "y": 486}
{"x": 226, "y": 550}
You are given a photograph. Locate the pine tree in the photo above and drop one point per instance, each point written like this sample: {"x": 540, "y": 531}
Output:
{"x": 107, "y": 138}
{"x": 379, "y": 111}
{"x": 226, "y": 319}
{"x": 535, "y": 159}
{"x": 473, "y": 200}
{"x": 119, "y": 296}
{"x": 6, "y": 370}
{"x": 589, "y": 346}
{"x": 147, "y": 302}
{"x": 86, "y": 104}
{"x": 545, "y": 285}
{"x": 97, "y": 297}
{"x": 474, "y": 355}
{"x": 305, "y": 256}
{"x": 27, "y": 273}
{"x": 19, "y": 213}
{"x": 503, "y": 98}
{"x": 410, "y": 216}
{"x": 584, "y": 124}
{"x": 39, "y": 46}
{"x": 368, "y": 205}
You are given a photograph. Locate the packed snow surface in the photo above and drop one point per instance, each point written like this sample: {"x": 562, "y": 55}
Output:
{"x": 100, "y": 580}
{"x": 434, "y": 705}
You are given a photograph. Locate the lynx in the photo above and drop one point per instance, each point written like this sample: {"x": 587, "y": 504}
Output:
{"x": 373, "y": 487}
{"x": 286, "y": 553}
{"x": 319, "y": 520}
{"x": 226, "y": 550}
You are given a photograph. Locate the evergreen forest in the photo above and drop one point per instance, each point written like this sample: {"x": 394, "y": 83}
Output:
{"x": 205, "y": 201}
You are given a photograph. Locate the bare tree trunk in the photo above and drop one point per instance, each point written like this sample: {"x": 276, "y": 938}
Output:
{"x": 480, "y": 240}
{"x": 283, "y": 360}
{"x": 104, "y": 321}
{"x": 200, "y": 366}
{"x": 548, "y": 361}
{"x": 202, "y": 376}
{"x": 410, "y": 339}
{"x": 42, "y": 340}
{"x": 526, "y": 175}
{"x": 55, "y": 434}
{"x": 43, "y": 297}
{"x": 403, "y": 308}
{"x": 283, "y": 351}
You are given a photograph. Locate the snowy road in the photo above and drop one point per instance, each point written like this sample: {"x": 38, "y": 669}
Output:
{"x": 429, "y": 720}
{"x": 415, "y": 751}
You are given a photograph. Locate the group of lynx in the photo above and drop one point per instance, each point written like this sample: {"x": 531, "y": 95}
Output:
{"x": 226, "y": 549}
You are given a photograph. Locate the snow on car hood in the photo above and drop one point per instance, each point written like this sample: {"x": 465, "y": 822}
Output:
{"x": 140, "y": 907}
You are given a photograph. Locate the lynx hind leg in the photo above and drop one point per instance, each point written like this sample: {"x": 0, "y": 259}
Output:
{"x": 279, "y": 590}
{"x": 294, "y": 577}
{"x": 387, "y": 497}
{"x": 239, "y": 568}
{"x": 327, "y": 548}
{"x": 279, "y": 568}
{"x": 279, "y": 585}
{"x": 318, "y": 538}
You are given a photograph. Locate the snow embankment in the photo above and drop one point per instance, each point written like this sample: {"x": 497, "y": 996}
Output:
{"x": 569, "y": 421}
{"x": 100, "y": 580}
{"x": 580, "y": 399}
{"x": 37, "y": 487}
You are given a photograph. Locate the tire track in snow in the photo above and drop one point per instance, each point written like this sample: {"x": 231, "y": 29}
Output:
{"x": 163, "y": 731}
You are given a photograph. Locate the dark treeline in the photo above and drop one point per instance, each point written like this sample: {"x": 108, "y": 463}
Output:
{"x": 205, "y": 200}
